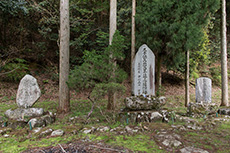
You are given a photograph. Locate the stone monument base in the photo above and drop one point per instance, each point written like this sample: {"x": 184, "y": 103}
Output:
{"x": 201, "y": 109}
{"x": 140, "y": 116}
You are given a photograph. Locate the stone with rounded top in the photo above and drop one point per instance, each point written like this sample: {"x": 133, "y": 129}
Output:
{"x": 144, "y": 72}
{"x": 28, "y": 92}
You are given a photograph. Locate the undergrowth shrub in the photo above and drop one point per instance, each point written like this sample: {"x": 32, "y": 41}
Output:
{"x": 14, "y": 70}
{"x": 98, "y": 71}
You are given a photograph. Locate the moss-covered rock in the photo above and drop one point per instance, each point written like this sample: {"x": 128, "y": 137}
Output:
{"x": 201, "y": 109}
{"x": 144, "y": 103}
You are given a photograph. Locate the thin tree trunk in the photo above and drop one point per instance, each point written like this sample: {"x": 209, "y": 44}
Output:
{"x": 224, "y": 69}
{"x": 133, "y": 41}
{"x": 112, "y": 28}
{"x": 158, "y": 75}
{"x": 64, "y": 99}
{"x": 187, "y": 98}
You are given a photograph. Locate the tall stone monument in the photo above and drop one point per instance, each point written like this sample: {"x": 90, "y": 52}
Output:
{"x": 144, "y": 72}
{"x": 203, "y": 90}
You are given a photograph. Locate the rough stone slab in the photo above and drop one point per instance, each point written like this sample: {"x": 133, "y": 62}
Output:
{"x": 142, "y": 103}
{"x": 203, "y": 90}
{"x": 28, "y": 92}
{"x": 20, "y": 113}
{"x": 144, "y": 72}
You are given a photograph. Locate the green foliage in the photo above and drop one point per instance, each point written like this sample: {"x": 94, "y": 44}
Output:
{"x": 171, "y": 27}
{"x": 216, "y": 75}
{"x": 15, "y": 69}
{"x": 98, "y": 72}
{"x": 102, "y": 89}
{"x": 13, "y": 7}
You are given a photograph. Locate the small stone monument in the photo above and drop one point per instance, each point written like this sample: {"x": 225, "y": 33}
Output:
{"x": 28, "y": 92}
{"x": 144, "y": 72}
{"x": 204, "y": 105}
{"x": 203, "y": 90}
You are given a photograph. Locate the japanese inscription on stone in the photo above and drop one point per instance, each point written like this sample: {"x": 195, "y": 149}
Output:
{"x": 203, "y": 89}
{"x": 144, "y": 72}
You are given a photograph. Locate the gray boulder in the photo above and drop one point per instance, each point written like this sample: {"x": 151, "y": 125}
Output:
{"x": 20, "y": 113}
{"x": 144, "y": 103}
{"x": 192, "y": 150}
{"x": 224, "y": 111}
{"x": 37, "y": 122}
{"x": 28, "y": 92}
{"x": 57, "y": 133}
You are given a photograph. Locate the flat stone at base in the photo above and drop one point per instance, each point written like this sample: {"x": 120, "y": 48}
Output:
{"x": 144, "y": 103}
{"x": 202, "y": 108}
{"x": 140, "y": 116}
{"x": 20, "y": 113}
{"x": 192, "y": 150}
{"x": 224, "y": 111}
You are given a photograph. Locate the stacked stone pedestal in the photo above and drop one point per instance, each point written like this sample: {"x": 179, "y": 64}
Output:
{"x": 27, "y": 95}
{"x": 142, "y": 109}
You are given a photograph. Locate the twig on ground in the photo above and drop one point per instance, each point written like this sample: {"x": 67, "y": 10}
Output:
{"x": 106, "y": 148}
{"x": 63, "y": 150}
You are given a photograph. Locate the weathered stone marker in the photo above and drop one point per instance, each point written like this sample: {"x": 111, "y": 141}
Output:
{"x": 28, "y": 92}
{"x": 203, "y": 90}
{"x": 144, "y": 72}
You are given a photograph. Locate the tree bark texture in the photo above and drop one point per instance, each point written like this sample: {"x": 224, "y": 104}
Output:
{"x": 187, "y": 97}
{"x": 112, "y": 28}
{"x": 133, "y": 40}
{"x": 224, "y": 69}
{"x": 158, "y": 74}
{"x": 64, "y": 98}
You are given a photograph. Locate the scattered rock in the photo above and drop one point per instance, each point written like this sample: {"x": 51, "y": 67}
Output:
{"x": 21, "y": 113}
{"x": 139, "y": 116}
{"x": 144, "y": 103}
{"x": 37, "y": 122}
{"x": 103, "y": 129}
{"x": 48, "y": 119}
{"x": 36, "y": 130}
{"x": 156, "y": 116}
{"x": 6, "y": 135}
{"x": 87, "y": 131}
{"x": 171, "y": 143}
{"x": 57, "y": 133}
{"x": 15, "y": 124}
{"x": 224, "y": 111}
{"x": 128, "y": 129}
{"x": 169, "y": 140}
{"x": 46, "y": 132}
{"x": 28, "y": 92}
{"x": 192, "y": 150}
{"x": 5, "y": 130}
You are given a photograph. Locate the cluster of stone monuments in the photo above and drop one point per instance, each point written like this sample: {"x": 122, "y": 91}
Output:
{"x": 143, "y": 106}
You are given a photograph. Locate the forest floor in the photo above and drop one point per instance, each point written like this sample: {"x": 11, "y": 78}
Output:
{"x": 211, "y": 134}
